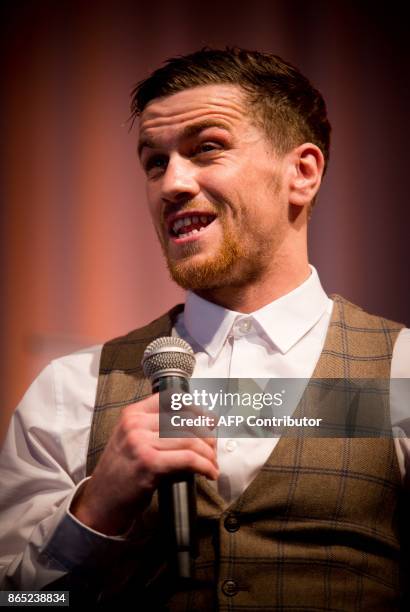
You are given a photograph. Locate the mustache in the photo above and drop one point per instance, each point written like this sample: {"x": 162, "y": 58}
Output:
{"x": 191, "y": 205}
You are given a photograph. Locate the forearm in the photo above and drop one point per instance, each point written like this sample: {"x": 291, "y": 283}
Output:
{"x": 57, "y": 545}
{"x": 86, "y": 511}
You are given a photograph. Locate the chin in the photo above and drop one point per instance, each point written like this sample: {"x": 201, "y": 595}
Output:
{"x": 195, "y": 278}
{"x": 214, "y": 275}
{"x": 201, "y": 269}
{"x": 200, "y": 275}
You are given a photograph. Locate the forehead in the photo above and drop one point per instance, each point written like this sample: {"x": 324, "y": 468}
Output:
{"x": 225, "y": 103}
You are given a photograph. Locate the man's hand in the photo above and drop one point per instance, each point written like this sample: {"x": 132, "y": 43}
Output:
{"x": 132, "y": 465}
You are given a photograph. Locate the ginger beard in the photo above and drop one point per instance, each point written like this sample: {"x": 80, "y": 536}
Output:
{"x": 199, "y": 272}
{"x": 241, "y": 259}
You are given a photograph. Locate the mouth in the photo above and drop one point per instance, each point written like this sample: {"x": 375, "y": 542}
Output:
{"x": 189, "y": 225}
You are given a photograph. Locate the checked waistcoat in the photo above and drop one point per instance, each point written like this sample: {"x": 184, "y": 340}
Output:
{"x": 317, "y": 529}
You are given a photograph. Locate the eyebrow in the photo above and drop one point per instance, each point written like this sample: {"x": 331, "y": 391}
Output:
{"x": 190, "y": 130}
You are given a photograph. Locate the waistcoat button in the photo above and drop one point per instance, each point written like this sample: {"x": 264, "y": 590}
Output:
{"x": 231, "y": 523}
{"x": 230, "y": 588}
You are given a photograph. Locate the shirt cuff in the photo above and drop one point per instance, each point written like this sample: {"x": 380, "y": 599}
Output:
{"x": 73, "y": 545}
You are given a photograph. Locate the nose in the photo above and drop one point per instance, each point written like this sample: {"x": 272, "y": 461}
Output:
{"x": 179, "y": 181}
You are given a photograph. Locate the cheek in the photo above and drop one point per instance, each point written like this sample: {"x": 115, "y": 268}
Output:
{"x": 221, "y": 176}
{"x": 150, "y": 193}
{"x": 225, "y": 186}
{"x": 152, "y": 200}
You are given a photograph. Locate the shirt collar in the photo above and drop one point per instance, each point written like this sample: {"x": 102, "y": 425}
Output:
{"x": 284, "y": 321}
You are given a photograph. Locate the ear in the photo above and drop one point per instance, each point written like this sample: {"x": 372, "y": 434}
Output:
{"x": 307, "y": 165}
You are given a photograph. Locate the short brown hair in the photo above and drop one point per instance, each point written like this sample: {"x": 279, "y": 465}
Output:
{"x": 287, "y": 107}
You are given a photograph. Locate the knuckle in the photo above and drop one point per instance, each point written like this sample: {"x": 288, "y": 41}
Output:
{"x": 146, "y": 457}
{"x": 133, "y": 423}
{"x": 149, "y": 402}
{"x": 190, "y": 457}
{"x": 131, "y": 443}
{"x": 190, "y": 443}
{"x": 141, "y": 406}
{"x": 127, "y": 422}
{"x": 129, "y": 411}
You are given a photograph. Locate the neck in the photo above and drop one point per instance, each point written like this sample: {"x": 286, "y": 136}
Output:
{"x": 255, "y": 295}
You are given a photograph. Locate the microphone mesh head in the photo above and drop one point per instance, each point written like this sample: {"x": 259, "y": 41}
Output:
{"x": 168, "y": 355}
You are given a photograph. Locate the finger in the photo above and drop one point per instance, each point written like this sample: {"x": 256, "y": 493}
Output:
{"x": 149, "y": 404}
{"x": 195, "y": 444}
{"x": 185, "y": 460}
{"x": 156, "y": 403}
{"x": 187, "y": 423}
{"x": 193, "y": 411}
{"x": 140, "y": 420}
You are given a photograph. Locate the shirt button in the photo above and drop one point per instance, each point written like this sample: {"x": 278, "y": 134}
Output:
{"x": 231, "y": 445}
{"x": 229, "y": 588}
{"x": 232, "y": 523}
{"x": 244, "y": 325}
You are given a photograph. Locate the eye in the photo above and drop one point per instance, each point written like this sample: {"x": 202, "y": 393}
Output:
{"x": 207, "y": 147}
{"x": 155, "y": 162}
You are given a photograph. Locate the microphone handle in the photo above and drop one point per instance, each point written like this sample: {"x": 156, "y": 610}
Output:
{"x": 177, "y": 506}
{"x": 177, "y": 502}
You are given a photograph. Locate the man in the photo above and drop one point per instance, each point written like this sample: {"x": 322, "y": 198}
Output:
{"x": 234, "y": 145}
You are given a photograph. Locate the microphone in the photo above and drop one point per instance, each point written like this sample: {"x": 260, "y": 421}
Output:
{"x": 168, "y": 362}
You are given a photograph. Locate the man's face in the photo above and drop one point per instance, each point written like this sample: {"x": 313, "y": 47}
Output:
{"x": 214, "y": 187}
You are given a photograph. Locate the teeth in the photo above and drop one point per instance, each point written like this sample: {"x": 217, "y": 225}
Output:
{"x": 186, "y": 221}
{"x": 178, "y": 224}
{"x": 191, "y": 233}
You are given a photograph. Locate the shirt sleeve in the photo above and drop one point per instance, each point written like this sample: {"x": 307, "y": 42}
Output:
{"x": 40, "y": 540}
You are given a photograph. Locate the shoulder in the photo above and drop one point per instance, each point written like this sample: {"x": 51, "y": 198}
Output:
{"x": 81, "y": 365}
{"x": 61, "y": 398}
{"x": 126, "y": 351}
{"x": 146, "y": 332}
{"x": 355, "y": 318}
{"x": 364, "y": 342}
{"x": 77, "y": 371}
{"x": 72, "y": 379}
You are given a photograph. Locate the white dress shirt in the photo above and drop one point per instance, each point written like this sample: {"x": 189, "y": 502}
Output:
{"x": 43, "y": 460}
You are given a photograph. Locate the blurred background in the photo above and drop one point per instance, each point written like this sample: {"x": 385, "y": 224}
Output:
{"x": 80, "y": 261}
